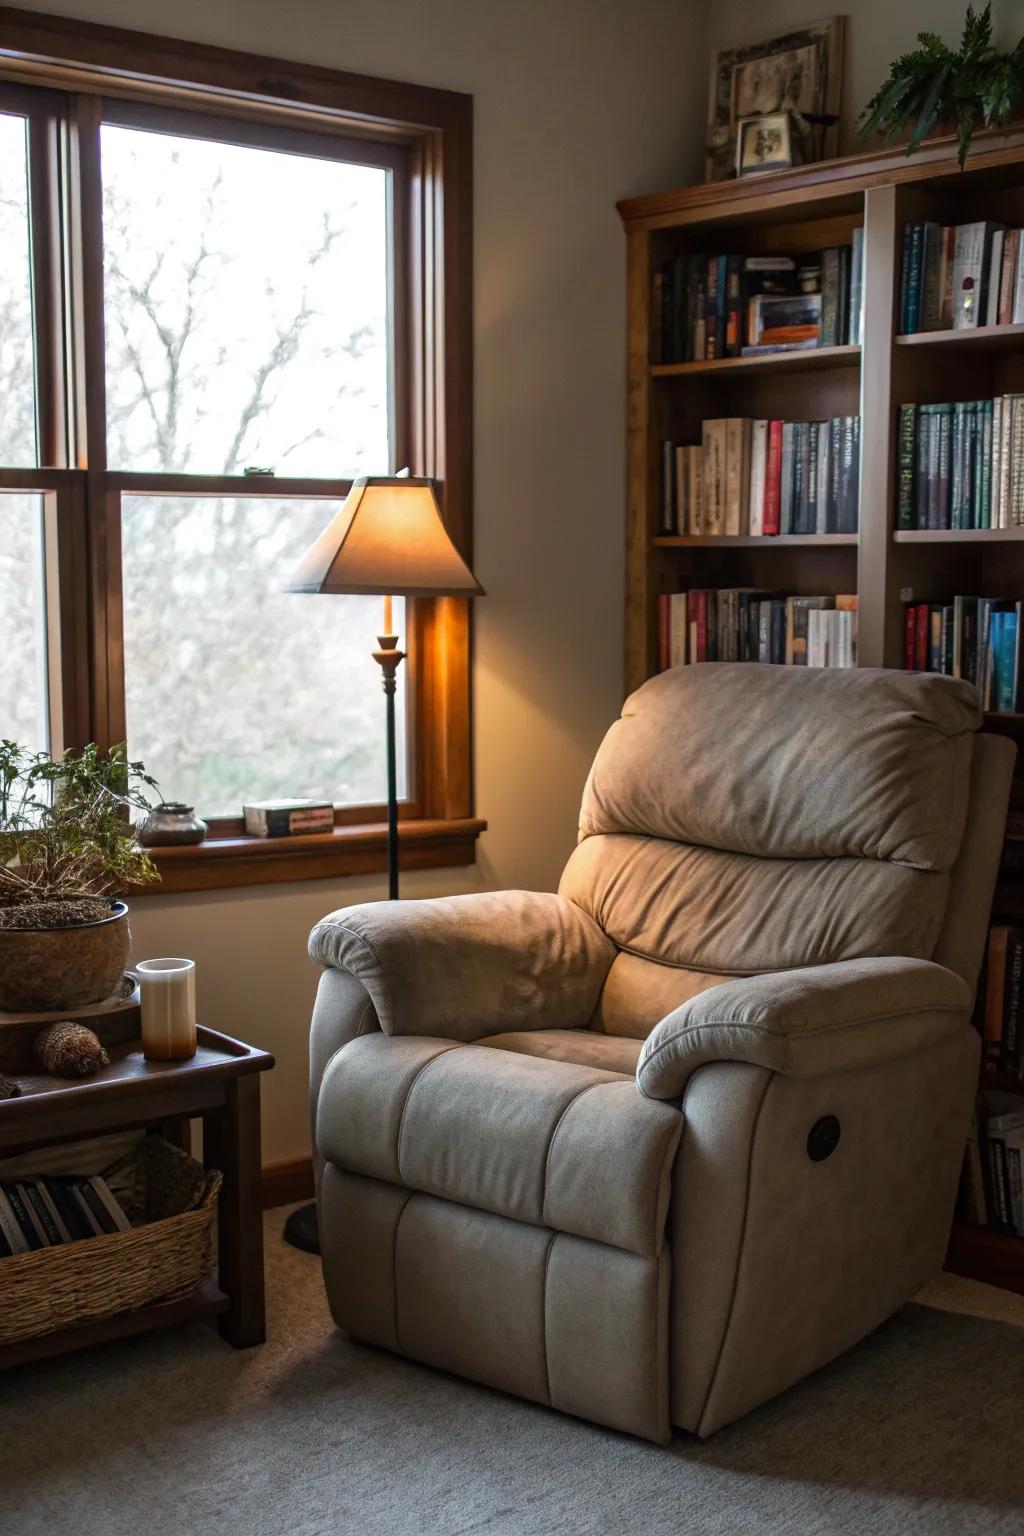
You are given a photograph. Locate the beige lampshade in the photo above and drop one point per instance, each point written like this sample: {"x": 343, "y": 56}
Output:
{"x": 388, "y": 538}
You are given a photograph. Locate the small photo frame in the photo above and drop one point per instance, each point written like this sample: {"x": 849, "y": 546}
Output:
{"x": 765, "y": 143}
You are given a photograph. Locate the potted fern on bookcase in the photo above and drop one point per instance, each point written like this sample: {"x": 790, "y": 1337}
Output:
{"x": 934, "y": 87}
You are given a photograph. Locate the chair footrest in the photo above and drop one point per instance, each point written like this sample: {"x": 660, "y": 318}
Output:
{"x": 560, "y": 1320}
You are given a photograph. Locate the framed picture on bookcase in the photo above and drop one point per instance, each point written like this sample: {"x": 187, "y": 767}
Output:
{"x": 799, "y": 71}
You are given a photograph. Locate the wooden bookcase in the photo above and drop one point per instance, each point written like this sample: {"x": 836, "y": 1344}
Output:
{"x": 802, "y": 211}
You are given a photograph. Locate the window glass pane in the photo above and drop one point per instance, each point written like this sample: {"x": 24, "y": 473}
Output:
{"x": 235, "y": 690}
{"x": 246, "y": 309}
{"x": 23, "y": 692}
{"x": 17, "y": 383}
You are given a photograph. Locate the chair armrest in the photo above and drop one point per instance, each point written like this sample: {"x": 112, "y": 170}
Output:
{"x": 466, "y": 966}
{"x": 824, "y": 1018}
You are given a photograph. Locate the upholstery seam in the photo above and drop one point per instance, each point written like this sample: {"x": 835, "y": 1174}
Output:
{"x": 405, "y": 1106}
{"x": 355, "y": 934}
{"x": 691, "y": 970}
{"x": 394, "y": 1266}
{"x": 382, "y": 977}
{"x": 666, "y": 1169}
{"x": 544, "y": 1316}
{"x": 551, "y": 1141}
{"x": 367, "y": 1008}
{"x": 739, "y": 1255}
{"x": 690, "y": 1030}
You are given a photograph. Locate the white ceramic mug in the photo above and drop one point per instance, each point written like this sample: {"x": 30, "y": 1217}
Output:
{"x": 168, "y": 989}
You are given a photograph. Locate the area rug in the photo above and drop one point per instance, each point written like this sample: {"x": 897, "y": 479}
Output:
{"x": 920, "y": 1429}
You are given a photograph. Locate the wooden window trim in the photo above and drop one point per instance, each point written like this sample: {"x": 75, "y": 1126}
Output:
{"x": 111, "y": 73}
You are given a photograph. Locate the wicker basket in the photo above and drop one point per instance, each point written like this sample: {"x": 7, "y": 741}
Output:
{"x": 166, "y": 1258}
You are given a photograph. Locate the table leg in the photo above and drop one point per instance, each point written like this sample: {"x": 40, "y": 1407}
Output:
{"x": 231, "y": 1142}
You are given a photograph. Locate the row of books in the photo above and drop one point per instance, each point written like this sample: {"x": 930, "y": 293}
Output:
{"x": 709, "y": 307}
{"x": 961, "y": 464}
{"x": 992, "y": 1184}
{"x": 959, "y": 276}
{"x": 47, "y": 1212}
{"x": 1002, "y": 1035}
{"x": 763, "y": 477}
{"x": 977, "y": 638}
{"x": 746, "y": 624}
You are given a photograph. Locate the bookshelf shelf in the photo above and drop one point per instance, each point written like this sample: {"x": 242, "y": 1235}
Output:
{"x": 811, "y": 360}
{"x": 984, "y": 338}
{"x": 757, "y": 541}
{"x": 958, "y": 535}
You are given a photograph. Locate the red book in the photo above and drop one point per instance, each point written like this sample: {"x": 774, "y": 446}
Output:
{"x": 664, "y": 631}
{"x": 699, "y": 601}
{"x": 924, "y": 625}
{"x": 773, "y": 478}
{"x": 910, "y": 637}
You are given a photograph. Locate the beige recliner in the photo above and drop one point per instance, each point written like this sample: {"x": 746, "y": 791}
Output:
{"x": 652, "y": 1149}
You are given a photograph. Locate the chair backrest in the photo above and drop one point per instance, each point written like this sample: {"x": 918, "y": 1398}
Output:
{"x": 741, "y": 818}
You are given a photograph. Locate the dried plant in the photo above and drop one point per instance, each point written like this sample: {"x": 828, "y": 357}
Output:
{"x": 65, "y": 829}
{"x": 935, "y": 84}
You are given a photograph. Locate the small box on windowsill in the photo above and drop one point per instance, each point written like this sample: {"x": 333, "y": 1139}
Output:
{"x": 288, "y": 818}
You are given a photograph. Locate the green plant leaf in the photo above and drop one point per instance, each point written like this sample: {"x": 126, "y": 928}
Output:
{"x": 965, "y": 130}
{"x": 64, "y": 824}
{"x": 932, "y": 109}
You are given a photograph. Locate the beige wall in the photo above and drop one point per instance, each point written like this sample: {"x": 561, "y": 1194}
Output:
{"x": 578, "y": 102}
{"x": 877, "y": 31}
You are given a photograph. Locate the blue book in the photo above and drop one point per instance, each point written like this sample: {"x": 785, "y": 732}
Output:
{"x": 1005, "y": 657}
{"x": 914, "y": 279}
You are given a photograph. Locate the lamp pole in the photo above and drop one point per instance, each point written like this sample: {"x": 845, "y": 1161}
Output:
{"x": 389, "y": 537}
{"x": 389, "y": 658}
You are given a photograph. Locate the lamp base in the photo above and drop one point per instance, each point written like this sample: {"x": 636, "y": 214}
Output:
{"x": 302, "y": 1230}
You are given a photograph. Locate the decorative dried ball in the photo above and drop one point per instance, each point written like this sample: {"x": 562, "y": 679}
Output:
{"x": 70, "y": 1050}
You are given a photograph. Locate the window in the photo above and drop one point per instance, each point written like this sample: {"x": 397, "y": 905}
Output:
{"x": 237, "y": 341}
{"x": 217, "y": 308}
{"x": 17, "y": 390}
{"x": 245, "y": 307}
{"x": 235, "y": 690}
{"x": 24, "y": 688}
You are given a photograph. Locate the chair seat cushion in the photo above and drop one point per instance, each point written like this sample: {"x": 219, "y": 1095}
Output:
{"x": 572, "y": 1148}
{"x": 582, "y": 1047}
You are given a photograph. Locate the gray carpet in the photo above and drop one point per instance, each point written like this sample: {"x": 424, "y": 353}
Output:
{"x": 921, "y": 1429}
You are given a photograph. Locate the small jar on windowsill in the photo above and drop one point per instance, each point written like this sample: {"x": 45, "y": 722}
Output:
{"x": 171, "y": 825}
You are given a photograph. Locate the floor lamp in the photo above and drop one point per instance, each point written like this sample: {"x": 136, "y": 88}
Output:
{"x": 387, "y": 541}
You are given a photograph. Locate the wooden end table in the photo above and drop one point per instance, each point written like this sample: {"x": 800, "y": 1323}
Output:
{"x": 221, "y": 1083}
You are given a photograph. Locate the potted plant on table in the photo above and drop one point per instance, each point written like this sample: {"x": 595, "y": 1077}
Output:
{"x": 66, "y": 844}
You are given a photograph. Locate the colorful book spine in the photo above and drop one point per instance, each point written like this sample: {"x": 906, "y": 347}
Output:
{"x": 758, "y": 476}
{"x": 773, "y": 478}
{"x": 914, "y": 279}
{"x": 906, "y": 451}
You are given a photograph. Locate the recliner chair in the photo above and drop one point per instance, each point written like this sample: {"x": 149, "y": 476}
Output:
{"x": 653, "y": 1149}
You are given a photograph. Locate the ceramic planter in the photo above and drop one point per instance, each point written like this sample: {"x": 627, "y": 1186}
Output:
{"x": 43, "y": 970}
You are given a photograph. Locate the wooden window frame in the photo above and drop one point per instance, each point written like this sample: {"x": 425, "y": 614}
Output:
{"x": 69, "y": 77}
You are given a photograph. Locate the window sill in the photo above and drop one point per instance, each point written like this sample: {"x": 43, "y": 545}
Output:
{"x": 224, "y": 863}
